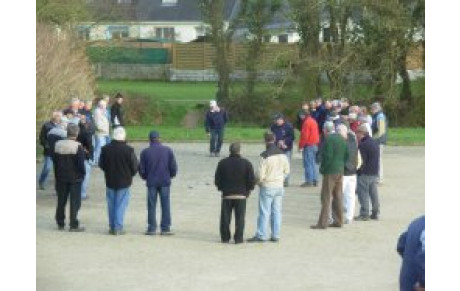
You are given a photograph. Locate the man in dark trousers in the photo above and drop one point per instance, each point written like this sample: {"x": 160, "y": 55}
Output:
{"x": 85, "y": 137}
{"x": 235, "y": 178}
{"x": 214, "y": 124}
{"x": 368, "y": 175}
{"x": 284, "y": 138}
{"x": 334, "y": 155}
{"x": 157, "y": 166}
{"x": 47, "y": 162}
{"x": 69, "y": 170}
{"x": 116, "y": 113}
{"x": 119, "y": 163}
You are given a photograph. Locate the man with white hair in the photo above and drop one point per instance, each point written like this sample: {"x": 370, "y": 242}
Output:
{"x": 349, "y": 175}
{"x": 214, "y": 124}
{"x": 48, "y": 161}
{"x": 102, "y": 125}
{"x": 379, "y": 132}
{"x": 119, "y": 163}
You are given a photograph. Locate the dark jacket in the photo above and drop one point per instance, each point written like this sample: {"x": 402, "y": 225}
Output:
{"x": 352, "y": 161}
{"x": 215, "y": 120}
{"x": 89, "y": 119}
{"x": 47, "y": 126}
{"x": 284, "y": 132}
{"x": 69, "y": 161}
{"x": 411, "y": 247}
{"x": 234, "y": 176}
{"x": 320, "y": 115}
{"x": 86, "y": 139}
{"x": 119, "y": 163}
{"x": 54, "y": 135}
{"x": 334, "y": 154}
{"x": 300, "y": 117}
{"x": 157, "y": 165}
{"x": 370, "y": 154}
{"x": 116, "y": 112}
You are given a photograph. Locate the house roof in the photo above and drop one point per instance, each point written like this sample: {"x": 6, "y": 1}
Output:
{"x": 183, "y": 11}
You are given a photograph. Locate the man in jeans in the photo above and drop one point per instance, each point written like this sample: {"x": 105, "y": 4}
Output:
{"x": 69, "y": 170}
{"x": 157, "y": 166}
{"x": 48, "y": 161}
{"x": 309, "y": 140}
{"x": 119, "y": 163}
{"x": 273, "y": 167}
{"x": 284, "y": 138}
{"x": 235, "y": 178}
{"x": 368, "y": 175}
{"x": 214, "y": 124}
{"x": 334, "y": 155}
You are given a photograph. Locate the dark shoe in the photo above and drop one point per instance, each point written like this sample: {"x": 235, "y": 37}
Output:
{"x": 61, "y": 227}
{"x": 317, "y": 227}
{"x": 335, "y": 224}
{"x": 239, "y": 242}
{"x": 306, "y": 184}
{"x": 275, "y": 240}
{"x": 167, "y": 233}
{"x": 77, "y": 229}
{"x": 361, "y": 218}
{"x": 150, "y": 232}
{"x": 315, "y": 183}
{"x": 374, "y": 217}
{"x": 41, "y": 187}
{"x": 225, "y": 241}
{"x": 286, "y": 184}
{"x": 112, "y": 232}
{"x": 255, "y": 239}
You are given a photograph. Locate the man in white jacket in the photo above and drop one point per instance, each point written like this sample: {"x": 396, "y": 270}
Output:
{"x": 102, "y": 125}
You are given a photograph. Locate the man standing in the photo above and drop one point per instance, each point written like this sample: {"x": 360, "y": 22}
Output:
{"x": 368, "y": 175}
{"x": 157, "y": 167}
{"x": 102, "y": 125}
{"x": 334, "y": 155}
{"x": 119, "y": 163}
{"x": 85, "y": 138}
{"x": 301, "y": 115}
{"x": 69, "y": 170}
{"x": 349, "y": 175}
{"x": 48, "y": 161}
{"x": 234, "y": 177}
{"x": 284, "y": 138}
{"x": 309, "y": 140}
{"x": 273, "y": 167}
{"x": 379, "y": 132}
{"x": 214, "y": 124}
{"x": 116, "y": 114}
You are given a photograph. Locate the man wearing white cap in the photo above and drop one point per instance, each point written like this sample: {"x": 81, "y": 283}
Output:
{"x": 214, "y": 124}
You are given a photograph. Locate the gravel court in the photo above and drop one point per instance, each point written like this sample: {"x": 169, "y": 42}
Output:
{"x": 361, "y": 256}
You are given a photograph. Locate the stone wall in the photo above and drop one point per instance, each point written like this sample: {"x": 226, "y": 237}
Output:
{"x": 131, "y": 71}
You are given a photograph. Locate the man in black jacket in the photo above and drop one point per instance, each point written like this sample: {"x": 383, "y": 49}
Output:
{"x": 69, "y": 170}
{"x": 368, "y": 175}
{"x": 47, "y": 161}
{"x": 235, "y": 178}
{"x": 119, "y": 163}
{"x": 116, "y": 114}
{"x": 85, "y": 137}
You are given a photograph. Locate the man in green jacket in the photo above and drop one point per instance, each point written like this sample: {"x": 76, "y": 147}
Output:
{"x": 334, "y": 155}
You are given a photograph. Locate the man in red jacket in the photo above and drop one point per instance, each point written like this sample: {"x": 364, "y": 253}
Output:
{"x": 309, "y": 140}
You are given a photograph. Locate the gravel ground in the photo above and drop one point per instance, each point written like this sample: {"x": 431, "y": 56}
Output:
{"x": 360, "y": 256}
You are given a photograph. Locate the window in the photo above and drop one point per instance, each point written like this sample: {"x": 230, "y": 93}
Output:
{"x": 267, "y": 38}
{"x": 117, "y": 32}
{"x": 283, "y": 38}
{"x": 83, "y": 32}
{"x": 169, "y": 2}
{"x": 327, "y": 34}
{"x": 165, "y": 32}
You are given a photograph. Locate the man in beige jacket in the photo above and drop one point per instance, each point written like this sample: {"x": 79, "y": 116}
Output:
{"x": 273, "y": 168}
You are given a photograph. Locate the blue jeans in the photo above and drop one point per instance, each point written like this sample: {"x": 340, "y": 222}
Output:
{"x": 309, "y": 163}
{"x": 47, "y": 165}
{"x": 152, "y": 194}
{"x": 84, "y": 185}
{"x": 117, "y": 201}
{"x": 217, "y": 137}
{"x": 100, "y": 141}
{"x": 269, "y": 206}
{"x": 289, "y": 156}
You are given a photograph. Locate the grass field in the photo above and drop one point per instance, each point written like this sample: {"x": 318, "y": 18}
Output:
{"x": 397, "y": 136}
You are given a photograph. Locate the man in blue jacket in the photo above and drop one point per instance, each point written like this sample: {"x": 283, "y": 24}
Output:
{"x": 157, "y": 166}
{"x": 284, "y": 135}
{"x": 214, "y": 124}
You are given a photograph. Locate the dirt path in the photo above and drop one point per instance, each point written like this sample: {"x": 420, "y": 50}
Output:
{"x": 361, "y": 256}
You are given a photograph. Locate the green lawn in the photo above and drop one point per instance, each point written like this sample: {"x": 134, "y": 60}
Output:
{"x": 397, "y": 136}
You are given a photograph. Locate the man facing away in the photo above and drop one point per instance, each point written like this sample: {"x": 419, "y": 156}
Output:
{"x": 119, "y": 163}
{"x": 273, "y": 167}
{"x": 379, "y": 132}
{"x": 368, "y": 175}
{"x": 284, "y": 138}
{"x": 48, "y": 161}
{"x": 102, "y": 126}
{"x": 69, "y": 170}
{"x": 157, "y": 166}
{"x": 334, "y": 155}
{"x": 85, "y": 138}
{"x": 235, "y": 178}
{"x": 214, "y": 124}
{"x": 116, "y": 113}
{"x": 309, "y": 140}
